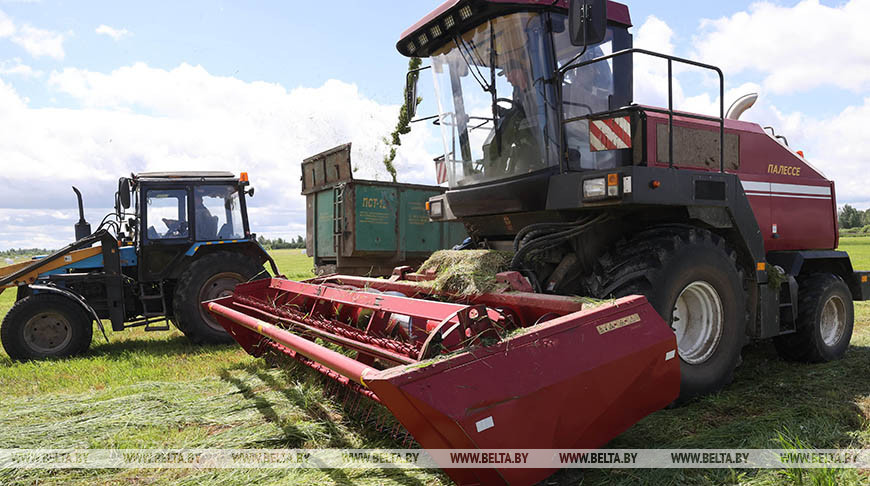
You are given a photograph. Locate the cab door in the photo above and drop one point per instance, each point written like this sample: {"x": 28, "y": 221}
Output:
{"x": 167, "y": 230}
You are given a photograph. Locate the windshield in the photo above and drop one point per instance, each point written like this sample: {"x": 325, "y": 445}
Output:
{"x": 498, "y": 113}
{"x": 497, "y": 110}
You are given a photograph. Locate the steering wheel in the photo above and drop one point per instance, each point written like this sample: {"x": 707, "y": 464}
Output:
{"x": 502, "y": 111}
{"x": 176, "y": 227}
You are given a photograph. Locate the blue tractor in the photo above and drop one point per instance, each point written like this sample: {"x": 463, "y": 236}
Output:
{"x": 174, "y": 240}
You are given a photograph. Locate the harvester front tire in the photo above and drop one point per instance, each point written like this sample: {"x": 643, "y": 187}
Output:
{"x": 42, "y": 326}
{"x": 684, "y": 273}
{"x": 210, "y": 277}
{"x": 826, "y": 317}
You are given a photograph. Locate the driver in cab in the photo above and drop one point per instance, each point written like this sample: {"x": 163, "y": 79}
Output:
{"x": 513, "y": 146}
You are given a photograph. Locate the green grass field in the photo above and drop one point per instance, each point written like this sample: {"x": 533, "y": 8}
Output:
{"x": 156, "y": 390}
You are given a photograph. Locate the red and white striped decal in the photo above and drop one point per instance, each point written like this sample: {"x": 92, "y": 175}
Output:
{"x": 610, "y": 134}
{"x": 441, "y": 172}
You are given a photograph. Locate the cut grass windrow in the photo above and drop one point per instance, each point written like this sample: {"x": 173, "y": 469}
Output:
{"x": 157, "y": 391}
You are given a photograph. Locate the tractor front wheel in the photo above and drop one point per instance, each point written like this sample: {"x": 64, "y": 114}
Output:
{"x": 44, "y": 326}
{"x": 211, "y": 277}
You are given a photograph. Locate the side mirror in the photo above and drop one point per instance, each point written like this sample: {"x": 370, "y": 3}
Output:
{"x": 587, "y": 22}
{"x": 124, "y": 192}
{"x": 411, "y": 93}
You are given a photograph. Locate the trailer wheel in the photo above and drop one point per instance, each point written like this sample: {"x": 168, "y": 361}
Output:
{"x": 46, "y": 326}
{"x": 210, "y": 277}
{"x": 691, "y": 277}
{"x": 826, "y": 316}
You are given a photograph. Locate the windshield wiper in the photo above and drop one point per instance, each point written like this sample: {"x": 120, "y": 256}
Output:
{"x": 467, "y": 56}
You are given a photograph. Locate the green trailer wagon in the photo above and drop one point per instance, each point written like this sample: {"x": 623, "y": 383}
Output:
{"x": 361, "y": 227}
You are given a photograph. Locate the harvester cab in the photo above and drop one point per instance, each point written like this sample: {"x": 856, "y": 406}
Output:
{"x": 174, "y": 240}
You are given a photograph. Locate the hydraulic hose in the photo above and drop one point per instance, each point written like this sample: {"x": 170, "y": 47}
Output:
{"x": 527, "y": 242}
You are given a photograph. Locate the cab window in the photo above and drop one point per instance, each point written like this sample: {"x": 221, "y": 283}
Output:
{"x": 218, "y": 213}
{"x": 585, "y": 91}
{"x": 167, "y": 214}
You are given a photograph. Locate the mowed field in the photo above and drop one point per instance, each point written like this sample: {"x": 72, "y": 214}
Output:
{"x": 157, "y": 391}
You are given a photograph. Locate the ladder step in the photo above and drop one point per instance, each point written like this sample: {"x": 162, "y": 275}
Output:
{"x": 163, "y": 327}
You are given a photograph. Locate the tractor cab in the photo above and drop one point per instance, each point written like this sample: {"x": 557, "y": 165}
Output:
{"x": 174, "y": 213}
{"x": 503, "y": 95}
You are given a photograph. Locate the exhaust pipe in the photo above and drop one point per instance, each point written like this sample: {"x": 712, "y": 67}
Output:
{"x": 83, "y": 228}
{"x": 741, "y": 105}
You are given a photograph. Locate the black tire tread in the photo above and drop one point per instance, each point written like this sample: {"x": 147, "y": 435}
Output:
{"x": 198, "y": 270}
{"x": 24, "y": 308}
{"x": 634, "y": 264}
{"x": 802, "y": 345}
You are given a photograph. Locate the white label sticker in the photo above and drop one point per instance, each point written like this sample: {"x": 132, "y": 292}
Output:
{"x": 670, "y": 355}
{"x": 67, "y": 258}
{"x": 485, "y": 424}
{"x": 626, "y": 185}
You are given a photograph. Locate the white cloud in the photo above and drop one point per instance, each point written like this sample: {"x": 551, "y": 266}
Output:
{"x": 7, "y": 27}
{"x": 651, "y": 75}
{"x": 140, "y": 118}
{"x": 15, "y": 67}
{"x": 116, "y": 34}
{"x": 37, "y": 42}
{"x": 794, "y": 48}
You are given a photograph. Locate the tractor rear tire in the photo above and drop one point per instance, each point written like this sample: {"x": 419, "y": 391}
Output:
{"x": 826, "y": 317}
{"x": 210, "y": 277}
{"x": 44, "y": 326}
{"x": 691, "y": 277}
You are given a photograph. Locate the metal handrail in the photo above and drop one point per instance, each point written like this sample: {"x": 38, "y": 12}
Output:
{"x": 670, "y": 111}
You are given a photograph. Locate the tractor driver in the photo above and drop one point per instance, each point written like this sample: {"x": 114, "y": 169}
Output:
{"x": 206, "y": 224}
{"x": 513, "y": 146}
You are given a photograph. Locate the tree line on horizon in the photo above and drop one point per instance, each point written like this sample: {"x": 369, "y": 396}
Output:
{"x": 281, "y": 244}
{"x": 854, "y": 221}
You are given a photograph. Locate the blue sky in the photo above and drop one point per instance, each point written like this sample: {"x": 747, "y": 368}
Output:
{"x": 90, "y": 90}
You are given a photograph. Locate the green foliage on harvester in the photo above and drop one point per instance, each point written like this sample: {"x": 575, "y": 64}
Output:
{"x": 404, "y": 124}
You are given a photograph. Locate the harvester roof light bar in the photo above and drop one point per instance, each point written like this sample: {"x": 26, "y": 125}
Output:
{"x": 465, "y": 12}
{"x": 423, "y": 39}
{"x": 449, "y": 22}
{"x": 435, "y": 31}
{"x": 411, "y": 47}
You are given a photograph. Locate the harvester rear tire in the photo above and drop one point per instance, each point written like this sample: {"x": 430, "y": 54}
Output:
{"x": 826, "y": 317}
{"x": 210, "y": 277}
{"x": 42, "y": 326}
{"x": 689, "y": 269}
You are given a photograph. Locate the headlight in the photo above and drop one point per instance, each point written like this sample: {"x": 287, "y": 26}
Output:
{"x": 436, "y": 209}
{"x": 593, "y": 188}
